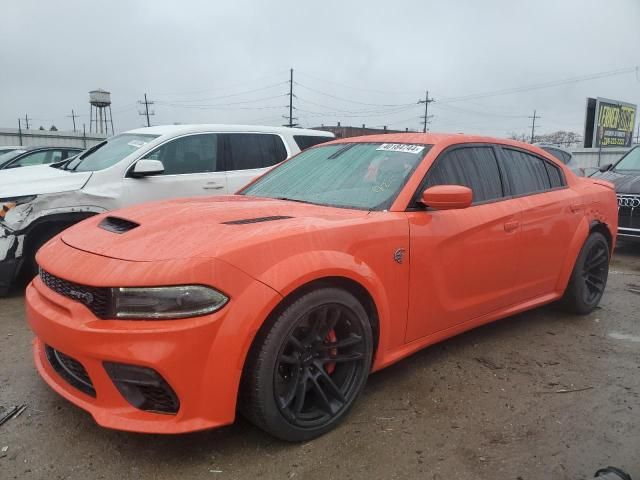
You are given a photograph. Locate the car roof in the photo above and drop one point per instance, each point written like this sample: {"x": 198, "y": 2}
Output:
{"x": 181, "y": 129}
{"x": 430, "y": 139}
{"x": 30, "y": 149}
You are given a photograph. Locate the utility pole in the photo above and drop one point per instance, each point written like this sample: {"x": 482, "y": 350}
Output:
{"x": 73, "y": 117}
{"x": 426, "y": 116}
{"x": 533, "y": 125}
{"x": 26, "y": 122}
{"x": 291, "y": 95}
{"x": 638, "y": 132}
{"x": 20, "y": 132}
{"x": 146, "y": 111}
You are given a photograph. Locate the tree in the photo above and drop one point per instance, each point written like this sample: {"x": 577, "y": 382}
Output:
{"x": 53, "y": 128}
{"x": 41, "y": 127}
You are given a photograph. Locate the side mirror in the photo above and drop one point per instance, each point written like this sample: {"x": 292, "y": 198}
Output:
{"x": 606, "y": 168}
{"x": 447, "y": 197}
{"x": 146, "y": 167}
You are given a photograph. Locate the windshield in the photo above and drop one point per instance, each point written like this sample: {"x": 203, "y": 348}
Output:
{"x": 109, "y": 152}
{"x": 7, "y": 157}
{"x": 365, "y": 176}
{"x": 630, "y": 162}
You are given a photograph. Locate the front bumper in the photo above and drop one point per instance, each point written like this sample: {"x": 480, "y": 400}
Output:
{"x": 200, "y": 358}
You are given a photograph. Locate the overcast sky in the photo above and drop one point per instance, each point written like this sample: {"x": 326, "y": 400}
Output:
{"x": 354, "y": 61}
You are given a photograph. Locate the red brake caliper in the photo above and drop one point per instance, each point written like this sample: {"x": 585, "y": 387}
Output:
{"x": 331, "y": 338}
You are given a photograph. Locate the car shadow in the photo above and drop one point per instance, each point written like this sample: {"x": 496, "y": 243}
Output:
{"x": 243, "y": 437}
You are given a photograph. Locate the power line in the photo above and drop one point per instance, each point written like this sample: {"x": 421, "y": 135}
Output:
{"x": 426, "y": 117}
{"x": 219, "y": 105}
{"x": 146, "y": 112}
{"x": 221, "y": 97}
{"x": 554, "y": 83}
{"x": 351, "y": 101}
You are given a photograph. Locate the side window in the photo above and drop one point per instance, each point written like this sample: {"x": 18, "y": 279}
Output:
{"x": 473, "y": 167}
{"x": 254, "y": 150}
{"x": 307, "y": 141}
{"x": 554, "y": 175}
{"x": 526, "y": 173}
{"x": 189, "y": 154}
{"x": 36, "y": 158}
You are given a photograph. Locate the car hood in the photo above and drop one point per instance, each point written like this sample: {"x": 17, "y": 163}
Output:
{"x": 39, "y": 180}
{"x": 225, "y": 227}
{"x": 623, "y": 183}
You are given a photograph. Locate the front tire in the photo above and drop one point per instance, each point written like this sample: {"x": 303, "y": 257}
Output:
{"x": 589, "y": 277}
{"x": 307, "y": 368}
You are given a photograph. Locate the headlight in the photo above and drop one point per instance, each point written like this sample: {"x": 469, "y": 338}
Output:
{"x": 163, "y": 303}
{"x": 8, "y": 204}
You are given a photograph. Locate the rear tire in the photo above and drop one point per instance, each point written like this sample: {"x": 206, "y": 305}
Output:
{"x": 589, "y": 277}
{"x": 307, "y": 368}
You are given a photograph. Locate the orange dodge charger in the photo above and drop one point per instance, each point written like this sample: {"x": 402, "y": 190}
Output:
{"x": 280, "y": 300}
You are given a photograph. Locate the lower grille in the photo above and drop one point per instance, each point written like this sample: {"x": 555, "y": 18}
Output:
{"x": 70, "y": 370}
{"x": 96, "y": 299}
{"x": 143, "y": 387}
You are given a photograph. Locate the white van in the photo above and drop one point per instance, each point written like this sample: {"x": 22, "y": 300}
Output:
{"x": 137, "y": 166}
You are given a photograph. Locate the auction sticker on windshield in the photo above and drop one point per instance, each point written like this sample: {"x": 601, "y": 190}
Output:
{"x": 401, "y": 147}
{"x": 136, "y": 143}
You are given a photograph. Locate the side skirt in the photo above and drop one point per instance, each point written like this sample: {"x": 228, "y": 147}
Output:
{"x": 385, "y": 359}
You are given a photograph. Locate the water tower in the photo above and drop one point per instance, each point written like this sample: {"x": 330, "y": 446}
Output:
{"x": 100, "y": 113}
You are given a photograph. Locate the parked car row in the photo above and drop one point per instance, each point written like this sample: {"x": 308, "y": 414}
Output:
{"x": 130, "y": 168}
{"x": 14, "y": 157}
{"x": 279, "y": 301}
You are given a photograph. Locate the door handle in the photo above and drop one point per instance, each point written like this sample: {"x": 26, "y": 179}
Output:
{"x": 511, "y": 226}
{"x": 576, "y": 207}
{"x": 213, "y": 186}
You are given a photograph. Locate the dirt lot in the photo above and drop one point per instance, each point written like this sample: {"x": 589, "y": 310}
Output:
{"x": 493, "y": 403}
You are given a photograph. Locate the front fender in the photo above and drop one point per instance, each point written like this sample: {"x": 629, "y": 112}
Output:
{"x": 298, "y": 270}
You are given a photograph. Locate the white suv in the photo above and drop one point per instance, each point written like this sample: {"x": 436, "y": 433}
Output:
{"x": 137, "y": 166}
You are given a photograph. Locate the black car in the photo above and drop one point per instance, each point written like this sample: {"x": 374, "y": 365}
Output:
{"x": 29, "y": 156}
{"x": 625, "y": 175}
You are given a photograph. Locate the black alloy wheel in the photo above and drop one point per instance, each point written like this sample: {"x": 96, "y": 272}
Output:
{"x": 589, "y": 277}
{"x": 319, "y": 365}
{"x": 595, "y": 272}
{"x": 308, "y": 366}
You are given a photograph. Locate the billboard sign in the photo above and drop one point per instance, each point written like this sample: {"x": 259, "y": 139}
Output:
{"x": 609, "y": 123}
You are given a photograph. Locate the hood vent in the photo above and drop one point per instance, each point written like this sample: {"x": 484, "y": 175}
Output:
{"x": 256, "y": 220}
{"x": 117, "y": 225}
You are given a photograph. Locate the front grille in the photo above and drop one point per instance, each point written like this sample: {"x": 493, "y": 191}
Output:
{"x": 117, "y": 225}
{"x": 96, "y": 299}
{"x": 628, "y": 211}
{"x": 70, "y": 370}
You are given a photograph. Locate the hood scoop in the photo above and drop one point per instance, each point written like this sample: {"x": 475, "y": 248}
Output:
{"x": 117, "y": 225}
{"x": 256, "y": 220}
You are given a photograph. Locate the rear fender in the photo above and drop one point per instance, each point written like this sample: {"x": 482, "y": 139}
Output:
{"x": 579, "y": 237}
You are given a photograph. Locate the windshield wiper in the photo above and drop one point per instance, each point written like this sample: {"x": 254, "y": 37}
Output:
{"x": 78, "y": 159}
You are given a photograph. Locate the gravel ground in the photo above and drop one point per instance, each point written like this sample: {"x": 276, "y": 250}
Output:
{"x": 542, "y": 395}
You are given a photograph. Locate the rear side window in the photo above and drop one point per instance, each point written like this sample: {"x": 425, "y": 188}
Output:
{"x": 189, "y": 154}
{"x": 247, "y": 151}
{"x": 555, "y": 177}
{"x": 473, "y": 167}
{"x": 526, "y": 173}
{"x": 307, "y": 141}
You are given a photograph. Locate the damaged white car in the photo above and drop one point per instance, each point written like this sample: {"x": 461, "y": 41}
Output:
{"x": 154, "y": 163}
